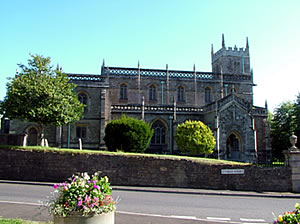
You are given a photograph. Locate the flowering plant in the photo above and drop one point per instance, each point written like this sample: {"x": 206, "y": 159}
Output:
{"x": 82, "y": 195}
{"x": 289, "y": 217}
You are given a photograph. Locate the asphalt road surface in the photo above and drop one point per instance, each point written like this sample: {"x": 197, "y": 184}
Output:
{"x": 139, "y": 207}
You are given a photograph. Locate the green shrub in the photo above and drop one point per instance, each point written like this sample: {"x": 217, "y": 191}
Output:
{"x": 128, "y": 135}
{"x": 194, "y": 137}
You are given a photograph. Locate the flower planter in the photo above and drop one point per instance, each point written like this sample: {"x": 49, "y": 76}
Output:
{"x": 105, "y": 218}
{"x": 83, "y": 200}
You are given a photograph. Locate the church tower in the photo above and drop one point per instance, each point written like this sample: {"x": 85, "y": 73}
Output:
{"x": 231, "y": 60}
{"x": 233, "y": 65}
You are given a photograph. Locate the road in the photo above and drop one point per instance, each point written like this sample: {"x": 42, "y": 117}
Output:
{"x": 155, "y": 207}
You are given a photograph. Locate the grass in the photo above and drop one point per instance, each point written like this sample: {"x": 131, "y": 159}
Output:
{"x": 93, "y": 152}
{"x": 20, "y": 221}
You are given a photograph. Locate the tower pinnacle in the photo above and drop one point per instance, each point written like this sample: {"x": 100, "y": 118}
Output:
{"x": 223, "y": 41}
{"x": 247, "y": 43}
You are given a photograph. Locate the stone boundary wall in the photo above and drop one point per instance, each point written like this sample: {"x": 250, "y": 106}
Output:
{"x": 139, "y": 170}
{"x": 11, "y": 139}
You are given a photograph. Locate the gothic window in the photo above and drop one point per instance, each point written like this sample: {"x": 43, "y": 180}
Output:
{"x": 81, "y": 131}
{"x": 207, "y": 95}
{"x": 180, "y": 93}
{"x": 152, "y": 92}
{"x": 159, "y": 136}
{"x": 82, "y": 97}
{"x": 123, "y": 92}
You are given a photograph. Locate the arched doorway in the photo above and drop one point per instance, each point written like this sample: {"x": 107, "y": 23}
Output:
{"x": 32, "y": 137}
{"x": 233, "y": 147}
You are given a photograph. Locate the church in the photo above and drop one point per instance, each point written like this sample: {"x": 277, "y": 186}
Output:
{"x": 222, "y": 99}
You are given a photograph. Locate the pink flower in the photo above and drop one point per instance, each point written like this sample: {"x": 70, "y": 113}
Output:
{"x": 55, "y": 186}
{"x": 96, "y": 186}
{"x": 87, "y": 199}
{"x": 79, "y": 202}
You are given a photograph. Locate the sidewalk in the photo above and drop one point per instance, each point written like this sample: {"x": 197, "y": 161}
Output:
{"x": 182, "y": 190}
{"x": 208, "y": 192}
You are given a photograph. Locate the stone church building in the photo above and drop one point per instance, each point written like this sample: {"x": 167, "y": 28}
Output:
{"x": 222, "y": 99}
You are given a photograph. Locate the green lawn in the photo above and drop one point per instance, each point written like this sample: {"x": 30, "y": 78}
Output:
{"x": 20, "y": 221}
{"x": 91, "y": 152}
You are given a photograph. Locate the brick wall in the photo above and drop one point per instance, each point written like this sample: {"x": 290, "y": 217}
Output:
{"x": 140, "y": 170}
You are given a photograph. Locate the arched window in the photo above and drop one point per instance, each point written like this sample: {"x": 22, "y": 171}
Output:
{"x": 207, "y": 95}
{"x": 152, "y": 92}
{"x": 82, "y": 97}
{"x": 159, "y": 136}
{"x": 180, "y": 93}
{"x": 123, "y": 92}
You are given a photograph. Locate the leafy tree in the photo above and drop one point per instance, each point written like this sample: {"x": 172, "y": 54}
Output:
{"x": 41, "y": 94}
{"x": 194, "y": 137}
{"x": 283, "y": 124}
{"x": 128, "y": 135}
{"x": 297, "y": 118}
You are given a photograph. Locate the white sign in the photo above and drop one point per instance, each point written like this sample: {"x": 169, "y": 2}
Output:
{"x": 232, "y": 171}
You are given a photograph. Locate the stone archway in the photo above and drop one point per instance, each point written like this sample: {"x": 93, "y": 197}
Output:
{"x": 233, "y": 147}
{"x": 32, "y": 139}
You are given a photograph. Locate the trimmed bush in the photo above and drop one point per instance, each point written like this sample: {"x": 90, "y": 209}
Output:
{"x": 194, "y": 137}
{"x": 128, "y": 135}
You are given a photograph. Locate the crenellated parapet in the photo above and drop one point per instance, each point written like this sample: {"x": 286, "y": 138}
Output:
{"x": 260, "y": 111}
{"x": 231, "y": 59}
{"x": 236, "y": 52}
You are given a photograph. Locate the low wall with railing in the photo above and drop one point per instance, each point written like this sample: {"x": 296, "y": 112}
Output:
{"x": 141, "y": 170}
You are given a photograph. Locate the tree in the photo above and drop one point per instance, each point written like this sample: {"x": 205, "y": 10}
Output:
{"x": 283, "y": 125}
{"x": 297, "y": 119}
{"x": 41, "y": 94}
{"x": 194, "y": 137}
{"x": 128, "y": 135}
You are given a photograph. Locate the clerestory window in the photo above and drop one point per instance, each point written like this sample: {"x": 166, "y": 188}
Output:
{"x": 123, "y": 92}
{"x": 152, "y": 92}
{"x": 207, "y": 95}
{"x": 180, "y": 93}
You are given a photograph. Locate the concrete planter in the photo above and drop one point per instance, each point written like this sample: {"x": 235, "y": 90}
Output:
{"x": 105, "y": 218}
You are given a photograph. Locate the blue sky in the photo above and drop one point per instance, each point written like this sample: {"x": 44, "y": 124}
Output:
{"x": 80, "y": 34}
